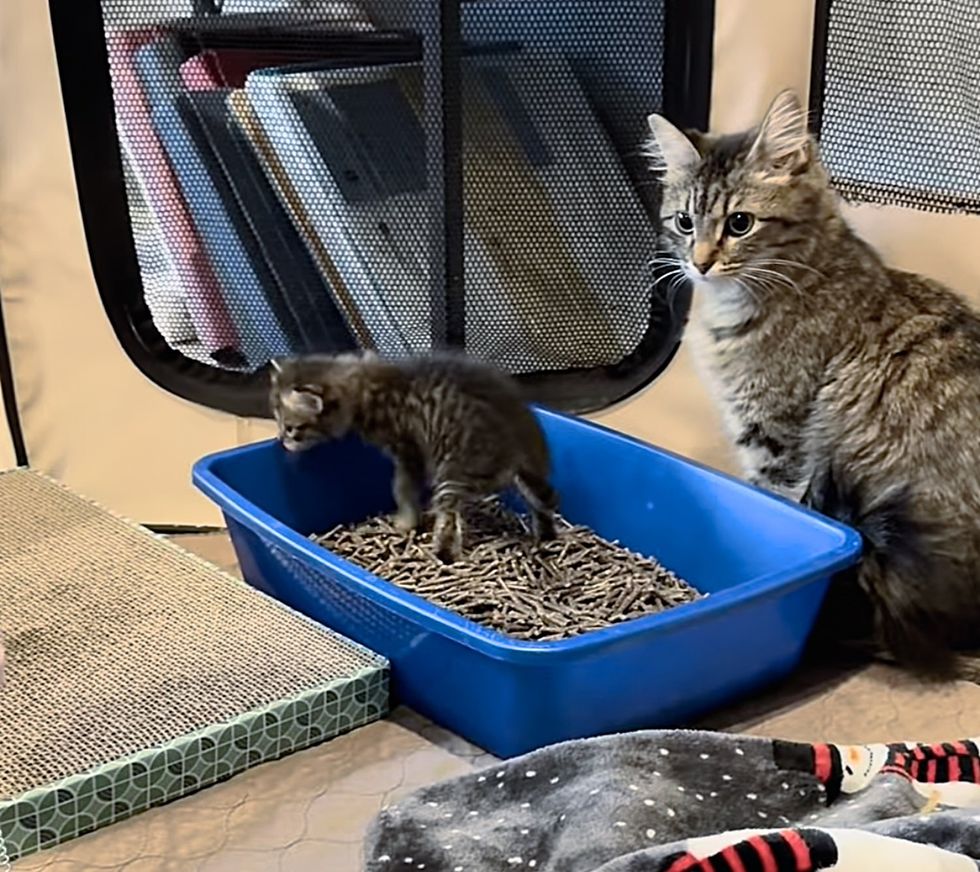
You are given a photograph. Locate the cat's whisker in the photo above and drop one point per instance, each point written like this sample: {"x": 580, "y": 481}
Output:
{"x": 749, "y": 275}
{"x": 663, "y": 260}
{"x": 760, "y": 273}
{"x": 747, "y": 288}
{"x": 778, "y": 276}
{"x": 779, "y": 261}
{"x": 672, "y": 289}
{"x": 766, "y": 286}
{"x": 674, "y": 279}
{"x": 673, "y": 274}
{"x": 763, "y": 282}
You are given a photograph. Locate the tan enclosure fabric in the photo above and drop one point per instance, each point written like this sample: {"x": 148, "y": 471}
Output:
{"x": 89, "y": 417}
{"x": 92, "y": 420}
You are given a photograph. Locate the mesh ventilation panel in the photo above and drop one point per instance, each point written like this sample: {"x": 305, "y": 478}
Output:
{"x": 278, "y": 168}
{"x": 901, "y": 102}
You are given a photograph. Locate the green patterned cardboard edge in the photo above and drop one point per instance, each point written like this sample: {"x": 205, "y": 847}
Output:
{"x": 46, "y": 816}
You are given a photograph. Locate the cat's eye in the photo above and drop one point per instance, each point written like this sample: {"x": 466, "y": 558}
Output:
{"x": 739, "y": 223}
{"x": 684, "y": 223}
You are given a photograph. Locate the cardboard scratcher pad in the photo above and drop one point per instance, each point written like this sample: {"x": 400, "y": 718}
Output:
{"x": 138, "y": 673}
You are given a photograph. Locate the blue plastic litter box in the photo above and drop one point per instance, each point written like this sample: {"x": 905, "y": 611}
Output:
{"x": 765, "y": 562}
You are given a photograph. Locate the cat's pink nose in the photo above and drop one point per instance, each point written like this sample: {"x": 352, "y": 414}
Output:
{"x": 703, "y": 266}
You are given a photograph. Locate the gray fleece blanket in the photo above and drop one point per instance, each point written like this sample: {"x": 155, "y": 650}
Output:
{"x": 695, "y": 802}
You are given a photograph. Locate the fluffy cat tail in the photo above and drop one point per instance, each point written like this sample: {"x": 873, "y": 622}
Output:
{"x": 901, "y": 579}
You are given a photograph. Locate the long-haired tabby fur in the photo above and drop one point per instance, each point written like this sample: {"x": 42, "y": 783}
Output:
{"x": 456, "y": 424}
{"x": 843, "y": 383}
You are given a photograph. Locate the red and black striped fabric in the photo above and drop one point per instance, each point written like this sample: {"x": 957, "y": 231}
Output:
{"x": 936, "y": 764}
{"x": 802, "y": 850}
{"x": 943, "y": 763}
{"x": 822, "y": 761}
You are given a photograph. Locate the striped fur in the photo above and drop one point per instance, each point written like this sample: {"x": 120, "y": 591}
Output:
{"x": 457, "y": 425}
{"x": 841, "y": 381}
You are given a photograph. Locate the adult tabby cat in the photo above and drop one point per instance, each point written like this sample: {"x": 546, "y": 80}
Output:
{"x": 843, "y": 383}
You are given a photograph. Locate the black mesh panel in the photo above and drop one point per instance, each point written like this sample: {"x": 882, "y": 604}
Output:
{"x": 288, "y": 180}
{"x": 900, "y": 114}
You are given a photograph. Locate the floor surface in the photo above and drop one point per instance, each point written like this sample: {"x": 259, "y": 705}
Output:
{"x": 309, "y": 811}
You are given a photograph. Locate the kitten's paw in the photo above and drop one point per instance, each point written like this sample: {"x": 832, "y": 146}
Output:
{"x": 448, "y": 555}
{"x": 544, "y": 530}
{"x": 449, "y": 549}
{"x": 447, "y": 537}
{"x": 406, "y": 521}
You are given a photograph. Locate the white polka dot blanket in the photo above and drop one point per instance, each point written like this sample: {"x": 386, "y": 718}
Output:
{"x": 695, "y": 802}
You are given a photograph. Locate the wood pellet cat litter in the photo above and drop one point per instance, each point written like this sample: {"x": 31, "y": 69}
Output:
{"x": 574, "y": 584}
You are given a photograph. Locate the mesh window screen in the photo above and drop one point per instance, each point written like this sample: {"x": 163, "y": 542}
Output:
{"x": 284, "y": 191}
{"x": 900, "y": 115}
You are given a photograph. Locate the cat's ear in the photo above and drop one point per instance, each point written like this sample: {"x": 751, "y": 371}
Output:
{"x": 782, "y": 145}
{"x": 303, "y": 402}
{"x": 673, "y": 153}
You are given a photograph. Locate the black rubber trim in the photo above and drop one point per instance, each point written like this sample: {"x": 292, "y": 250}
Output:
{"x": 442, "y": 66}
{"x": 689, "y": 29}
{"x": 9, "y": 391}
{"x": 818, "y": 63}
{"x": 182, "y": 529}
{"x": 86, "y": 91}
{"x": 87, "y": 94}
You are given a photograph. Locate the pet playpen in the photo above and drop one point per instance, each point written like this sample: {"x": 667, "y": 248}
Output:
{"x": 187, "y": 188}
{"x": 472, "y": 217}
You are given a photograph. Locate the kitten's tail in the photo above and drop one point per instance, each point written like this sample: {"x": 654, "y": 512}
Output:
{"x": 902, "y": 575}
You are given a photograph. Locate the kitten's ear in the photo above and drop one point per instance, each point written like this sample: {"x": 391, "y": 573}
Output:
{"x": 698, "y": 139}
{"x": 782, "y": 146}
{"x": 674, "y": 154}
{"x": 277, "y": 366}
{"x": 302, "y": 402}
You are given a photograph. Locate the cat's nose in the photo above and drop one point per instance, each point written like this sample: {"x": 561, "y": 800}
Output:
{"x": 703, "y": 256}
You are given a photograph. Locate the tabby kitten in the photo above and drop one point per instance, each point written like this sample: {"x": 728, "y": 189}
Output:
{"x": 452, "y": 423}
{"x": 843, "y": 383}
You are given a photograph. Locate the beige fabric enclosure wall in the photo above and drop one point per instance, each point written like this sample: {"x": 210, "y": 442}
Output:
{"x": 91, "y": 419}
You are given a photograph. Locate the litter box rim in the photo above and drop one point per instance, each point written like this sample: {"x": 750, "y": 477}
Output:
{"x": 493, "y": 643}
